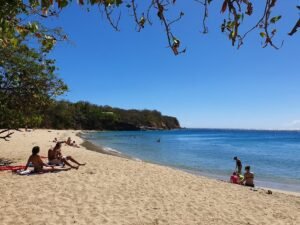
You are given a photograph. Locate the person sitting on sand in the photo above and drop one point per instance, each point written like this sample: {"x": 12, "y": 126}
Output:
{"x": 238, "y": 166}
{"x": 69, "y": 141}
{"x": 248, "y": 177}
{"x": 38, "y": 164}
{"x": 235, "y": 179}
{"x": 55, "y": 157}
{"x": 75, "y": 145}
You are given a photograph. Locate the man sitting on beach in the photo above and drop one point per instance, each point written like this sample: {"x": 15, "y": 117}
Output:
{"x": 248, "y": 177}
{"x": 238, "y": 165}
{"x": 55, "y": 157}
{"x": 38, "y": 164}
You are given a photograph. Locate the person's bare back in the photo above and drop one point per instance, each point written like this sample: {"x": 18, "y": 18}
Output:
{"x": 51, "y": 154}
{"x": 36, "y": 162}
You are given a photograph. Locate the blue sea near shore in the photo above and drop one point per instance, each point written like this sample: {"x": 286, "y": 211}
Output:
{"x": 274, "y": 156}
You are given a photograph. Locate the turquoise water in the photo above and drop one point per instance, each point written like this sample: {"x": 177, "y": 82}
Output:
{"x": 274, "y": 156}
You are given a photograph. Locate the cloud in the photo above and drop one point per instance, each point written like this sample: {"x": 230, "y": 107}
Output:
{"x": 293, "y": 125}
{"x": 295, "y": 122}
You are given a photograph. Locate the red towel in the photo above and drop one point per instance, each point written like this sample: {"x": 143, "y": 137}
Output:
{"x": 12, "y": 168}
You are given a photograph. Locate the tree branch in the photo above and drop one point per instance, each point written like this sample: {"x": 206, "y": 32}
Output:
{"x": 108, "y": 16}
{"x": 294, "y": 30}
{"x": 173, "y": 43}
{"x": 6, "y": 136}
{"x": 140, "y": 22}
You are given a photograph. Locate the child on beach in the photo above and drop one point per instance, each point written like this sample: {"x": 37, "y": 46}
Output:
{"x": 238, "y": 166}
{"x": 235, "y": 179}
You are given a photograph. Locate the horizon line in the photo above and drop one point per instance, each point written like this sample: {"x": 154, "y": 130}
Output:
{"x": 245, "y": 129}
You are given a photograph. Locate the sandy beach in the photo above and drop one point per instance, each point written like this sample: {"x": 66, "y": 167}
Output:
{"x": 114, "y": 190}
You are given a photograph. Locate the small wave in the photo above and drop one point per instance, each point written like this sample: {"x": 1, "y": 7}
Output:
{"x": 137, "y": 159}
{"x": 112, "y": 150}
{"x": 108, "y": 149}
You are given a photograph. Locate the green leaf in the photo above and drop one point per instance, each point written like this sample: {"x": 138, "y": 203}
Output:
{"x": 34, "y": 3}
{"x": 46, "y": 4}
{"x": 118, "y": 2}
{"x": 262, "y": 34}
{"x": 62, "y": 3}
{"x": 275, "y": 19}
{"x": 14, "y": 42}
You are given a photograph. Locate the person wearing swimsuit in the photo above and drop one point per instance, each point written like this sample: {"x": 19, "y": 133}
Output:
{"x": 38, "y": 164}
{"x": 238, "y": 166}
{"x": 248, "y": 177}
{"x": 55, "y": 157}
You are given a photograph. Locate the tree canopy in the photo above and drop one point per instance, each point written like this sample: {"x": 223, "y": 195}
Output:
{"x": 21, "y": 17}
{"x": 28, "y": 82}
{"x": 87, "y": 116}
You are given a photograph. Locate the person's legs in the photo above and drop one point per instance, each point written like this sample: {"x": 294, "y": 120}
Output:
{"x": 46, "y": 170}
{"x": 64, "y": 160}
{"x": 60, "y": 169}
{"x": 249, "y": 185}
{"x": 74, "y": 161}
{"x": 239, "y": 169}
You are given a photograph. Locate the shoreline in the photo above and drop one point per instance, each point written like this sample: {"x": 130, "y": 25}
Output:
{"x": 96, "y": 148}
{"x": 100, "y": 149}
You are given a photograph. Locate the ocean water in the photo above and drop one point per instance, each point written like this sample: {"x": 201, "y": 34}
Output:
{"x": 274, "y": 156}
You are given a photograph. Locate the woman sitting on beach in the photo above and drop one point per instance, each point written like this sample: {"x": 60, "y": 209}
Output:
{"x": 55, "y": 157}
{"x": 38, "y": 164}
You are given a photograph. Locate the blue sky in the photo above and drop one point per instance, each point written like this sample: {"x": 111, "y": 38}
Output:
{"x": 212, "y": 85}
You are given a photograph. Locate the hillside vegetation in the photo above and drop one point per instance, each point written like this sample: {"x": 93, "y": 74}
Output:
{"x": 84, "y": 115}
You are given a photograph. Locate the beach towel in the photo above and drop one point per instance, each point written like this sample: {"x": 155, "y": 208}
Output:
{"x": 27, "y": 172}
{"x": 24, "y": 172}
{"x": 11, "y": 168}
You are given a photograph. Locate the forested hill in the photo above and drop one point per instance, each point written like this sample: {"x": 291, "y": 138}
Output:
{"x": 84, "y": 115}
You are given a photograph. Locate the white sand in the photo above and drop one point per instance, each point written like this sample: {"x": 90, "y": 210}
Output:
{"x": 113, "y": 190}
